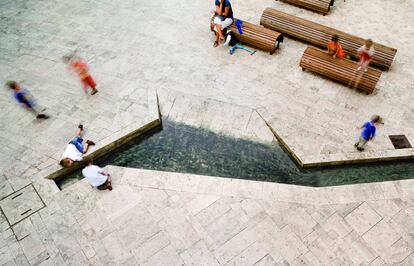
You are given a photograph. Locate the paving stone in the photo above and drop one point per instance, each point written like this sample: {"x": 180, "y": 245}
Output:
{"x": 21, "y": 204}
{"x": 199, "y": 254}
{"x": 32, "y": 246}
{"x": 381, "y": 236}
{"x": 166, "y": 256}
{"x": 362, "y": 218}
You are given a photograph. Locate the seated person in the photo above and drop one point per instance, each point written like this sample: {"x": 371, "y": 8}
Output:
{"x": 335, "y": 48}
{"x": 223, "y": 18}
{"x": 75, "y": 150}
{"x": 97, "y": 177}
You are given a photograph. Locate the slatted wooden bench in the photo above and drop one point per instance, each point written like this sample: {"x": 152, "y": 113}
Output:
{"x": 341, "y": 70}
{"x": 258, "y": 36}
{"x": 319, "y": 35}
{"x": 321, "y": 6}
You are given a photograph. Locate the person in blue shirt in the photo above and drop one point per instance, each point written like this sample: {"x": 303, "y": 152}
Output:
{"x": 223, "y": 19}
{"x": 368, "y": 132}
{"x": 23, "y": 97}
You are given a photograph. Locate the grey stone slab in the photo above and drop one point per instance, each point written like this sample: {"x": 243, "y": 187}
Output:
{"x": 240, "y": 242}
{"x": 23, "y": 229}
{"x": 21, "y": 204}
{"x": 199, "y": 254}
{"x": 166, "y": 256}
{"x": 381, "y": 236}
{"x": 151, "y": 246}
{"x": 397, "y": 253}
{"x": 362, "y": 218}
{"x": 250, "y": 256}
{"x": 32, "y": 246}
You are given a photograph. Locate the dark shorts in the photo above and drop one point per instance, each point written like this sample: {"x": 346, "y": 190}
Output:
{"x": 77, "y": 142}
{"x": 106, "y": 185}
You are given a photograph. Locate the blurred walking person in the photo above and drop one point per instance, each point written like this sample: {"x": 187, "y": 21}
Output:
{"x": 79, "y": 66}
{"x": 368, "y": 132}
{"x": 365, "y": 53}
{"x": 25, "y": 99}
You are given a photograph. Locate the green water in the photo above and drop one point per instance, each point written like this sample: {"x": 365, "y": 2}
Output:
{"x": 182, "y": 148}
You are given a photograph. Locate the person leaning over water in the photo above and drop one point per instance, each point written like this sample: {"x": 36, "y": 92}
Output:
{"x": 223, "y": 18}
{"x": 97, "y": 177}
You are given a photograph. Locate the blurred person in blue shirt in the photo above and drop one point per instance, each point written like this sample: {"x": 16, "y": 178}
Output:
{"x": 24, "y": 98}
{"x": 368, "y": 132}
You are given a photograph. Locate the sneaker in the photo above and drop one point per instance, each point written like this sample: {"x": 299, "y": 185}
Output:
{"x": 80, "y": 126}
{"x": 228, "y": 39}
{"x": 90, "y": 142}
{"x": 359, "y": 68}
{"x": 94, "y": 92}
{"x": 42, "y": 116}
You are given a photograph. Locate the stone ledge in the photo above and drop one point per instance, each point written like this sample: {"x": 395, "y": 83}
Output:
{"x": 335, "y": 159}
{"x": 233, "y": 187}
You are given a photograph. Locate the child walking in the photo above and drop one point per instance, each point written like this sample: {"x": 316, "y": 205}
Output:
{"x": 365, "y": 53}
{"x": 81, "y": 68}
{"x": 368, "y": 132}
{"x": 23, "y": 97}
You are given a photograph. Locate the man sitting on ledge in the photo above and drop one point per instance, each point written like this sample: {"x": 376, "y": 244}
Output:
{"x": 222, "y": 19}
{"x": 75, "y": 150}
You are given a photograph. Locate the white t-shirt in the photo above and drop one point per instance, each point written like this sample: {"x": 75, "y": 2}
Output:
{"x": 363, "y": 49}
{"x": 72, "y": 153}
{"x": 92, "y": 173}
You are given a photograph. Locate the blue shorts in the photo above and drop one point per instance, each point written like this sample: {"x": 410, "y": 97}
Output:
{"x": 77, "y": 141}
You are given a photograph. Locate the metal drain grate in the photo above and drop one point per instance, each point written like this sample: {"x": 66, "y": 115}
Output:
{"x": 21, "y": 204}
{"x": 400, "y": 141}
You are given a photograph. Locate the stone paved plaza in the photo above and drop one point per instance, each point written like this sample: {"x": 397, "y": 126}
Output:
{"x": 138, "y": 48}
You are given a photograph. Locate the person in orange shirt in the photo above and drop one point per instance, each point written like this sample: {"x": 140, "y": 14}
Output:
{"x": 335, "y": 48}
{"x": 81, "y": 68}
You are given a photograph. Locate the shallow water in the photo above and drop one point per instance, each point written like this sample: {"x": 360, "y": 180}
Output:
{"x": 182, "y": 148}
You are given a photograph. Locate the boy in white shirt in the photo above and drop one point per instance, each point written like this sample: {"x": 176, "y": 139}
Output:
{"x": 75, "y": 150}
{"x": 97, "y": 177}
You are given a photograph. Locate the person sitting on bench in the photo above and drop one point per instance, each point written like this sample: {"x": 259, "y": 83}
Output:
{"x": 223, "y": 18}
{"x": 335, "y": 48}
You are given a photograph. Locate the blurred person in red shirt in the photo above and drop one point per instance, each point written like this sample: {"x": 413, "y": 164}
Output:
{"x": 81, "y": 68}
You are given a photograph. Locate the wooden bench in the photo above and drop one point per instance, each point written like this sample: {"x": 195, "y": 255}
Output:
{"x": 319, "y": 35}
{"x": 321, "y": 6}
{"x": 258, "y": 36}
{"x": 341, "y": 70}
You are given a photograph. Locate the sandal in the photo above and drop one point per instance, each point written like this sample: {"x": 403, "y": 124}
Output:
{"x": 215, "y": 44}
{"x": 90, "y": 142}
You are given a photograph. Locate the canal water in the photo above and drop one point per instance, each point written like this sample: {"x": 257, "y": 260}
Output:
{"x": 182, "y": 148}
